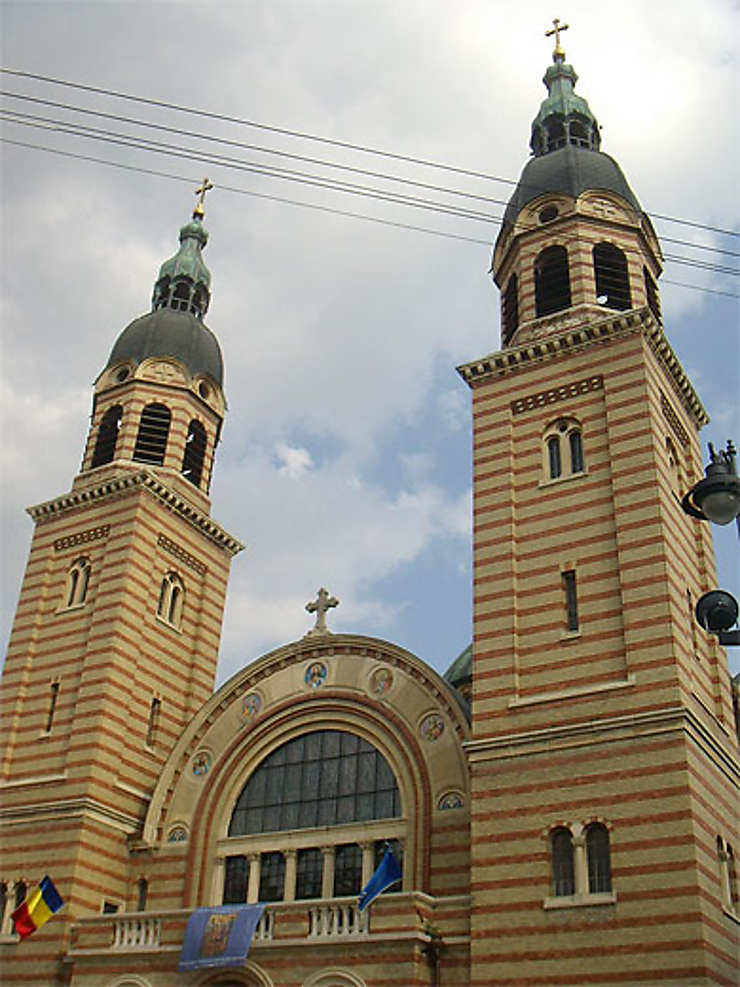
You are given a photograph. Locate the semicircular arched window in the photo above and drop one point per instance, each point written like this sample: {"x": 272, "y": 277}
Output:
{"x": 323, "y": 778}
{"x": 105, "y": 441}
{"x": 151, "y": 439}
{"x": 195, "y": 450}
{"x": 551, "y": 281}
{"x": 612, "y": 277}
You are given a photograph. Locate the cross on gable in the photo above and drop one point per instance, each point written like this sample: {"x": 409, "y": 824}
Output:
{"x": 320, "y": 606}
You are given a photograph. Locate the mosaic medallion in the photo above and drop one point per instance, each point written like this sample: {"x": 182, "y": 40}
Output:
{"x": 381, "y": 681}
{"x": 251, "y": 705}
{"x": 177, "y": 835}
{"x": 201, "y": 764}
{"x": 315, "y": 674}
{"x": 432, "y": 727}
{"x": 451, "y": 800}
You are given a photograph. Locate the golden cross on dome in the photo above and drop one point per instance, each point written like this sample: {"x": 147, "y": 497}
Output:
{"x": 556, "y": 31}
{"x": 205, "y": 186}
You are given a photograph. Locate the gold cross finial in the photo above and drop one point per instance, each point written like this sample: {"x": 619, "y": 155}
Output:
{"x": 558, "y": 52}
{"x": 205, "y": 186}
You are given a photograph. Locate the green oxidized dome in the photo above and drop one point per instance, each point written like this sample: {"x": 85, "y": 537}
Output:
{"x": 184, "y": 281}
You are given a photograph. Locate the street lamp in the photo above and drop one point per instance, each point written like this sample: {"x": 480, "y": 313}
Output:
{"x": 716, "y": 497}
{"x": 717, "y": 611}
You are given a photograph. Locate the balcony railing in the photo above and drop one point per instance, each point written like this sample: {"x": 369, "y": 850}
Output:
{"x": 290, "y": 924}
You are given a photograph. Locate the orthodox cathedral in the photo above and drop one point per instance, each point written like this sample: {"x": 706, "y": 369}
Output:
{"x": 562, "y": 804}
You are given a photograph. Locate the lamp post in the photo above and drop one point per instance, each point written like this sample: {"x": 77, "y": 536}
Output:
{"x": 717, "y": 498}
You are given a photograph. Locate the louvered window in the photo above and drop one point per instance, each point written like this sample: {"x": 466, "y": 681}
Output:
{"x": 551, "y": 281}
{"x": 154, "y": 429}
{"x": 612, "y": 278}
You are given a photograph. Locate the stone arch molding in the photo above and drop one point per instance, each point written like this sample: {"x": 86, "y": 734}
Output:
{"x": 222, "y": 722}
{"x": 334, "y": 978}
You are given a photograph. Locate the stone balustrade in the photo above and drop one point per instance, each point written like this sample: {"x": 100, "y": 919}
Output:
{"x": 337, "y": 919}
{"x": 137, "y": 933}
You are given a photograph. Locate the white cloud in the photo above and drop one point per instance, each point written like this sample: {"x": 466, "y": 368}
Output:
{"x": 295, "y": 461}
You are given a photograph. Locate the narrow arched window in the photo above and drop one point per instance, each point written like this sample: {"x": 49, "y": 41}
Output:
{"x": 510, "y": 310}
{"x": 3, "y": 905}
{"x": 576, "y": 451}
{"x": 181, "y": 296}
{"x": 553, "y": 456}
{"x": 195, "y": 450}
{"x": 78, "y": 580}
{"x": 651, "y": 294}
{"x": 154, "y": 428}
{"x": 142, "y": 893}
{"x": 551, "y": 281}
{"x": 171, "y": 599}
{"x": 561, "y": 848}
{"x": 105, "y": 441}
{"x": 578, "y": 134}
{"x": 597, "y": 854}
{"x": 674, "y": 466}
{"x": 612, "y": 277}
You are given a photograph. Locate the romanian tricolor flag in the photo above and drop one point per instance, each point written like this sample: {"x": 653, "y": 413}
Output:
{"x": 37, "y": 909}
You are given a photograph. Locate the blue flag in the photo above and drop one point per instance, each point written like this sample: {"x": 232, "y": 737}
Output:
{"x": 388, "y": 872}
{"x": 219, "y": 936}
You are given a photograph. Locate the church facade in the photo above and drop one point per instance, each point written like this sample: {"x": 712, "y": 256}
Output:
{"x": 563, "y": 802}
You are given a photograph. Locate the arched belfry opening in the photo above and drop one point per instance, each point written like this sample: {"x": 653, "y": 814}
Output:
{"x": 551, "y": 281}
{"x": 154, "y": 429}
{"x": 612, "y": 277}
{"x": 107, "y": 437}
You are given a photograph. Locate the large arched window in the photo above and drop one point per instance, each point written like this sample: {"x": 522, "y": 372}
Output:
{"x": 195, "y": 450}
{"x": 563, "y": 449}
{"x": 324, "y": 778}
{"x": 154, "y": 428}
{"x": 612, "y": 278}
{"x": 105, "y": 442}
{"x": 171, "y": 599}
{"x": 551, "y": 281}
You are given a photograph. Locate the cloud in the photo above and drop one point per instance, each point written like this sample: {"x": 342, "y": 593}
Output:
{"x": 295, "y": 462}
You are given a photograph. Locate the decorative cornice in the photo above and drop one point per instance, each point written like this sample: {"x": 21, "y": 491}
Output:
{"x": 574, "y": 340}
{"x": 66, "y": 808}
{"x": 120, "y": 486}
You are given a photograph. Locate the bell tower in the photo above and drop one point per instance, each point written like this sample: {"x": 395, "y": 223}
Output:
{"x": 604, "y": 763}
{"x": 116, "y": 635}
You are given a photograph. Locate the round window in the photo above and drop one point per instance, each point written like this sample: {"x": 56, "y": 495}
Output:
{"x": 122, "y": 374}
{"x": 204, "y": 390}
{"x": 548, "y": 214}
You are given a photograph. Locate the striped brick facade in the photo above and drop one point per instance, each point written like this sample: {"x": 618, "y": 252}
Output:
{"x": 97, "y": 691}
{"x": 626, "y": 721}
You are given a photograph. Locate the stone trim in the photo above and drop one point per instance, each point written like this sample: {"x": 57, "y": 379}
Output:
{"x": 555, "y": 394}
{"x": 185, "y": 557}
{"x": 120, "y": 486}
{"x": 82, "y": 537}
{"x": 572, "y": 340}
{"x": 673, "y": 420}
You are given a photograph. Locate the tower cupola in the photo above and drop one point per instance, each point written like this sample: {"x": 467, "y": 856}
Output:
{"x": 574, "y": 239}
{"x": 159, "y": 400}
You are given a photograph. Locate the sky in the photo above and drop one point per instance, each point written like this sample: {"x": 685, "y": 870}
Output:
{"x": 345, "y": 459}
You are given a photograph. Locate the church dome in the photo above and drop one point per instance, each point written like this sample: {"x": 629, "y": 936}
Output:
{"x": 569, "y": 170}
{"x": 167, "y": 332}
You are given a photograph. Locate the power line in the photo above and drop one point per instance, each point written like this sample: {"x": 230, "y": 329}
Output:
{"x": 174, "y": 150}
{"x": 189, "y": 179}
{"x": 120, "y": 118}
{"x": 302, "y": 135}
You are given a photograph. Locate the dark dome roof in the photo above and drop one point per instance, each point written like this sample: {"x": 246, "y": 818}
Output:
{"x": 461, "y": 670}
{"x": 166, "y": 332}
{"x": 570, "y": 170}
